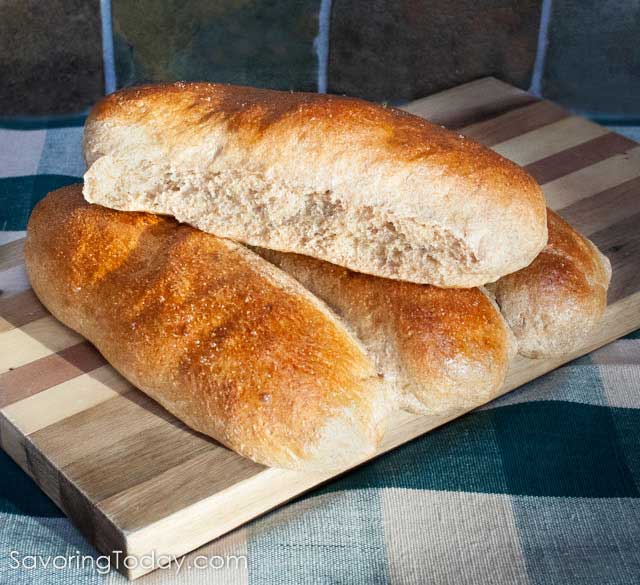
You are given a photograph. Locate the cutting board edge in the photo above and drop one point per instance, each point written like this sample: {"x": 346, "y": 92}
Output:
{"x": 94, "y": 525}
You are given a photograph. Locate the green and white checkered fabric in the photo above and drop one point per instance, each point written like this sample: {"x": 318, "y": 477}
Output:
{"x": 539, "y": 487}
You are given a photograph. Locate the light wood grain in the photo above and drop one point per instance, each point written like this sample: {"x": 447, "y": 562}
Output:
{"x": 135, "y": 479}
{"x": 464, "y": 105}
{"x": 593, "y": 179}
{"x": 66, "y": 399}
{"x": 549, "y": 140}
{"x": 609, "y": 207}
{"x": 579, "y": 157}
{"x": 34, "y": 340}
{"x": 514, "y": 122}
{"x": 11, "y": 254}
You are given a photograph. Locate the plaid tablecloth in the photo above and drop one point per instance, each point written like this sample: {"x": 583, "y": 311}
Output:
{"x": 542, "y": 486}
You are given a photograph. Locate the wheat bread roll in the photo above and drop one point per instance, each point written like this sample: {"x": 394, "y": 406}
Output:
{"x": 445, "y": 351}
{"x": 552, "y": 304}
{"x": 371, "y": 188}
{"x": 442, "y": 351}
{"x": 222, "y": 339}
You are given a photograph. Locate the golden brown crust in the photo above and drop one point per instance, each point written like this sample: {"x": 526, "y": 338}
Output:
{"x": 553, "y": 303}
{"x": 444, "y": 350}
{"x": 254, "y": 114}
{"x": 220, "y": 338}
{"x": 376, "y": 177}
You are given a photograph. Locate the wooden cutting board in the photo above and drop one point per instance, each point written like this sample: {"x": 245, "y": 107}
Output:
{"x": 134, "y": 479}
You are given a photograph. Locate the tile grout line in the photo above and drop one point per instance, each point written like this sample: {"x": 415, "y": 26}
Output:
{"x": 108, "y": 60}
{"x": 321, "y": 44}
{"x": 541, "y": 53}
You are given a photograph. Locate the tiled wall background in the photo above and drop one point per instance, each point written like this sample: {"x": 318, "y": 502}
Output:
{"x": 56, "y": 55}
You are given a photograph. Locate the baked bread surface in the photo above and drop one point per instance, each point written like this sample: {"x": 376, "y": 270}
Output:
{"x": 371, "y": 188}
{"x": 442, "y": 351}
{"x": 222, "y": 339}
{"x": 552, "y": 304}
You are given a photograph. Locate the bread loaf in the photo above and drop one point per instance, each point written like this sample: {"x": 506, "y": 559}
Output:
{"x": 442, "y": 351}
{"x": 447, "y": 350}
{"x": 552, "y": 304}
{"x": 221, "y": 338}
{"x": 242, "y": 352}
{"x": 371, "y": 188}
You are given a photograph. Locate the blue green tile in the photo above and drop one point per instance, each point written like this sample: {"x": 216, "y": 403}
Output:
{"x": 50, "y": 56}
{"x": 20, "y": 194}
{"x": 592, "y": 60}
{"x": 398, "y": 51}
{"x": 267, "y": 43}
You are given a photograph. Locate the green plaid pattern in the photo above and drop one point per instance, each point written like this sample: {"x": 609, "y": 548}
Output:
{"x": 540, "y": 487}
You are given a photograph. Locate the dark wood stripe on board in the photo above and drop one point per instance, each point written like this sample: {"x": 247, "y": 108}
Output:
{"x": 608, "y": 207}
{"x": 459, "y": 120}
{"x": 11, "y": 254}
{"x": 49, "y": 371}
{"x": 580, "y": 156}
{"x": 22, "y": 308}
{"x": 515, "y": 123}
{"x": 476, "y": 101}
{"x": 620, "y": 242}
